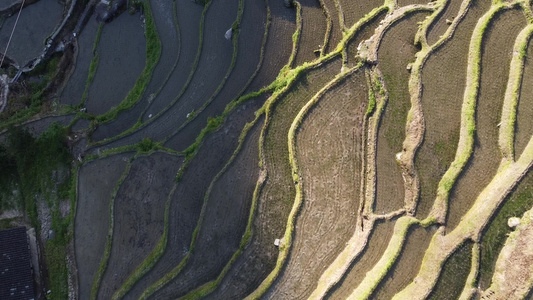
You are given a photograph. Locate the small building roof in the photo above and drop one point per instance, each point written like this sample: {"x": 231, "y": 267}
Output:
{"x": 16, "y": 280}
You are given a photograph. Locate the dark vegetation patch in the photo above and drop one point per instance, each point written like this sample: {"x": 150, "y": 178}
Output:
{"x": 499, "y": 40}
{"x": 494, "y": 237}
{"x": 443, "y": 78}
{"x": 454, "y": 273}
{"x": 96, "y": 182}
{"x": 329, "y": 158}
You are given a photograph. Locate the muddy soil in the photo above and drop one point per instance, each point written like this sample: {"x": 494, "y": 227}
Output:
{"x": 96, "y": 181}
{"x": 122, "y": 56}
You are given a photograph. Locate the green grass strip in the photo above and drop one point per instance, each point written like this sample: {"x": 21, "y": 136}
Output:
{"x": 153, "y": 53}
{"x": 468, "y": 117}
{"x": 108, "y": 244}
{"x": 296, "y": 35}
{"x": 512, "y": 93}
{"x": 373, "y": 277}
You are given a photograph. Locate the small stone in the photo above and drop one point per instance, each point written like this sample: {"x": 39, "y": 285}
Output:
{"x": 276, "y": 242}
{"x": 513, "y": 222}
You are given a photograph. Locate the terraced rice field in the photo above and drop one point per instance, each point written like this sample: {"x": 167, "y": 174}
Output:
{"x": 305, "y": 149}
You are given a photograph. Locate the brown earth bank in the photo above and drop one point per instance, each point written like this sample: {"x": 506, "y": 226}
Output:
{"x": 363, "y": 34}
{"x": 498, "y": 42}
{"x": 139, "y": 209}
{"x": 96, "y": 181}
{"x": 329, "y": 157}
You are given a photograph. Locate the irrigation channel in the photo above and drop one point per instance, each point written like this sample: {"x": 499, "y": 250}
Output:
{"x": 296, "y": 149}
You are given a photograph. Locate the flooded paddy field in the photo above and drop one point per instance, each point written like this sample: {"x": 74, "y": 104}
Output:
{"x": 36, "y": 23}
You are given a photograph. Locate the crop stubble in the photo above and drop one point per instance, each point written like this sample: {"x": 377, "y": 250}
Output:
{"x": 313, "y": 30}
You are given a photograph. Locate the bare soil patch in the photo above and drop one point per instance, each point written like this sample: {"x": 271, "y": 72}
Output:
{"x": 36, "y": 22}
{"x": 409, "y": 2}
{"x": 440, "y": 24}
{"x": 496, "y": 56}
{"x": 96, "y": 181}
{"x": 251, "y": 32}
{"x": 117, "y": 69}
{"x": 329, "y": 157}
{"x": 188, "y": 15}
{"x": 138, "y": 216}
{"x": 313, "y": 31}
{"x": 336, "y": 33}
{"x": 355, "y": 10}
{"x": 364, "y": 33}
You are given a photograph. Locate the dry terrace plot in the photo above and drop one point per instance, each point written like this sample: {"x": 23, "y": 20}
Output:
{"x": 187, "y": 200}
{"x": 409, "y": 2}
{"x": 408, "y": 263}
{"x": 443, "y": 79}
{"x": 313, "y": 31}
{"x": 188, "y": 18}
{"x": 121, "y": 59}
{"x": 395, "y": 52}
{"x": 96, "y": 181}
{"x": 441, "y": 24}
{"x": 337, "y": 26}
{"x": 138, "y": 216}
{"x": 277, "y": 193}
{"x": 329, "y": 157}
{"x": 377, "y": 243}
{"x": 224, "y": 221}
{"x": 524, "y": 115}
{"x": 355, "y": 10}
{"x": 363, "y": 34}
{"x": 496, "y": 55}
